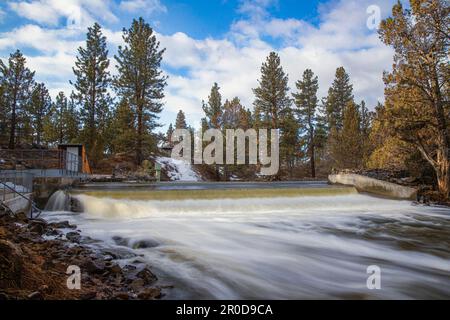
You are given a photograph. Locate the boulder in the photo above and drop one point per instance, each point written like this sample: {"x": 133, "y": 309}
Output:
{"x": 150, "y": 294}
{"x": 147, "y": 276}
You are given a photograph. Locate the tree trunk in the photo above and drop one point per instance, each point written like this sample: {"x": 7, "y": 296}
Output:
{"x": 139, "y": 136}
{"x": 443, "y": 174}
{"x": 313, "y": 161}
{"x": 12, "y": 134}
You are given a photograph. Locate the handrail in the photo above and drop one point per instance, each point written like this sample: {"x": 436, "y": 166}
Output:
{"x": 33, "y": 205}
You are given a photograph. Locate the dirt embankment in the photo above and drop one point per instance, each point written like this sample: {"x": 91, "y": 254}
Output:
{"x": 35, "y": 256}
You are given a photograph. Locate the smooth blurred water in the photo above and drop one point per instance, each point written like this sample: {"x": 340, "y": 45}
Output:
{"x": 281, "y": 248}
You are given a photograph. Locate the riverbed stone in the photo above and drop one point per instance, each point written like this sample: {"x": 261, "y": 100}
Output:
{"x": 147, "y": 276}
{"x": 149, "y": 294}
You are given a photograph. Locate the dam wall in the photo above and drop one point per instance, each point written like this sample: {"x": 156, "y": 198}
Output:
{"x": 375, "y": 186}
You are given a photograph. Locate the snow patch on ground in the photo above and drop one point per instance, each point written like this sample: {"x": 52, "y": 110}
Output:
{"x": 178, "y": 170}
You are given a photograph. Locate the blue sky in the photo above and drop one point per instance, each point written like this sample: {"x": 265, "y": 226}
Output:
{"x": 208, "y": 41}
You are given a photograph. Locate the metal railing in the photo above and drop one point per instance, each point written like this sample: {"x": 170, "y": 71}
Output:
{"x": 47, "y": 161}
{"x": 18, "y": 184}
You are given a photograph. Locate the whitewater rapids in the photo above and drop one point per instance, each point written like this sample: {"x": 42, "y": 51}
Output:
{"x": 279, "y": 248}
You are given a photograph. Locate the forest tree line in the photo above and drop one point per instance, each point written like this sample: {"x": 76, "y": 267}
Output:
{"x": 114, "y": 114}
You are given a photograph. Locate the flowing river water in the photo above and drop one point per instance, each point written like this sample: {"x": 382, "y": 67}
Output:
{"x": 277, "y": 247}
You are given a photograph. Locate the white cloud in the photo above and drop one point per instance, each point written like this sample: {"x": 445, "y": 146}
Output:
{"x": 50, "y": 12}
{"x": 147, "y": 6}
{"x": 340, "y": 39}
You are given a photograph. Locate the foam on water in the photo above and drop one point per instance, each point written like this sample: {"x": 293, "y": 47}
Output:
{"x": 275, "y": 248}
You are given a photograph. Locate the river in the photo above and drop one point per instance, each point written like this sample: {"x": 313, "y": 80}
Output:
{"x": 309, "y": 247}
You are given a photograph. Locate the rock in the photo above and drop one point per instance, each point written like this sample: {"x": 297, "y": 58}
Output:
{"x": 119, "y": 253}
{"x": 150, "y": 294}
{"x": 3, "y": 296}
{"x": 147, "y": 276}
{"x": 11, "y": 265}
{"x": 53, "y": 232}
{"x": 137, "y": 285}
{"x": 62, "y": 225}
{"x": 88, "y": 295}
{"x": 120, "y": 241}
{"x": 129, "y": 268}
{"x": 73, "y": 237}
{"x": 38, "y": 226}
{"x": 121, "y": 296}
{"x": 116, "y": 269}
{"x": 93, "y": 267}
{"x": 22, "y": 217}
{"x": 44, "y": 288}
{"x": 36, "y": 296}
{"x": 144, "y": 244}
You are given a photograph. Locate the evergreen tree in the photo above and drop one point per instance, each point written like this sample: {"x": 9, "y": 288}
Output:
{"x": 4, "y": 113}
{"x": 289, "y": 143}
{"x": 366, "y": 117}
{"x": 62, "y": 123}
{"x": 141, "y": 81}
{"x": 339, "y": 95}
{"x": 61, "y": 108}
{"x": 214, "y": 109}
{"x": 38, "y": 109}
{"x": 18, "y": 82}
{"x": 169, "y": 134}
{"x": 123, "y": 128}
{"x": 214, "y": 113}
{"x": 180, "y": 122}
{"x": 91, "y": 91}
{"x": 346, "y": 144}
{"x": 235, "y": 116}
{"x": 306, "y": 104}
{"x": 272, "y": 101}
{"x": 72, "y": 123}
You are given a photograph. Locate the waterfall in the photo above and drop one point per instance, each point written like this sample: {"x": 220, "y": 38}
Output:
{"x": 101, "y": 207}
{"x": 59, "y": 201}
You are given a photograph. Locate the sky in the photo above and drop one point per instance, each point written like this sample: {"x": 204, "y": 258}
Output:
{"x": 207, "y": 41}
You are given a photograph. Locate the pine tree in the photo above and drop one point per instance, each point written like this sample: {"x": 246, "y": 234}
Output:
{"x": 91, "y": 90}
{"x": 214, "y": 113}
{"x": 123, "y": 128}
{"x": 60, "y": 108}
{"x": 235, "y": 116}
{"x": 62, "y": 124}
{"x": 38, "y": 109}
{"x": 169, "y": 134}
{"x": 72, "y": 123}
{"x": 289, "y": 143}
{"x": 272, "y": 101}
{"x": 18, "y": 82}
{"x": 141, "y": 80}
{"x": 4, "y": 113}
{"x": 306, "y": 104}
{"x": 346, "y": 147}
{"x": 180, "y": 122}
{"x": 214, "y": 109}
{"x": 339, "y": 95}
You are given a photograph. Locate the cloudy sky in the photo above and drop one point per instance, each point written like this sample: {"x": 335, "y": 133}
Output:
{"x": 208, "y": 41}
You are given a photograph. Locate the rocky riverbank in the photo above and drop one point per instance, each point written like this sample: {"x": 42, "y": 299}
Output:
{"x": 35, "y": 256}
